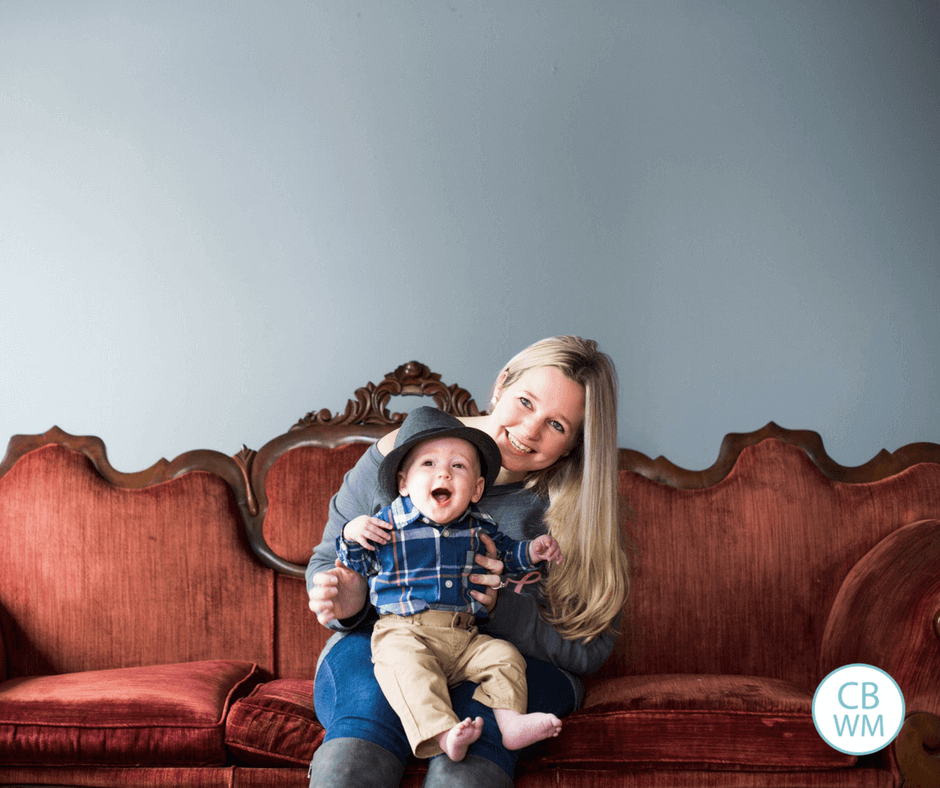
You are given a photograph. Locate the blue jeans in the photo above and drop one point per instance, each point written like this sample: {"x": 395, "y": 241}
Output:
{"x": 349, "y": 702}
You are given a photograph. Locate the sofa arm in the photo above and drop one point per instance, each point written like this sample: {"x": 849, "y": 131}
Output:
{"x": 886, "y": 615}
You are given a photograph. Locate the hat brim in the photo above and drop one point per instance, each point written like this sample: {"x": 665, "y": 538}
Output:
{"x": 490, "y": 457}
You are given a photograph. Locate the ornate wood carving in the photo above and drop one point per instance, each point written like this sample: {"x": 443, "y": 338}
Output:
{"x": 370, "y": 405}
{"x": 245, "y": 459}
{"x": 161, "y": 471}
{"x": 365, "y": 419}
{"x": 881, "y": 466}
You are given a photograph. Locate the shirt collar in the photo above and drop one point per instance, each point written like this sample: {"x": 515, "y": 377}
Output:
{"x": 404, "y": 512}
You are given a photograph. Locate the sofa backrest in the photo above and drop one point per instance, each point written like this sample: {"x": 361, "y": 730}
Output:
{"x": 101, "y": 569}
{"x": 738, "y": 565}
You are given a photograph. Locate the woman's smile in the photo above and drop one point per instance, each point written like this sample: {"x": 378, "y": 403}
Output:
{"x": 517, "y": 445}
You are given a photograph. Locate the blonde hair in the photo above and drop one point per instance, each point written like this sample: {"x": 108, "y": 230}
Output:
{"x": 586, "y": 592}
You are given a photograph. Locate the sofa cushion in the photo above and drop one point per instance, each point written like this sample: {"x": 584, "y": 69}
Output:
{"x": 275, "y": 725}
{"x": 694, "y": 722}
{"x": 168, "y": 715}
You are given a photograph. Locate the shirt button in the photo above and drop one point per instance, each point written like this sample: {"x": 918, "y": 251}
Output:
{"x": 449, "y": 584}
{"x": 445, "y": 533}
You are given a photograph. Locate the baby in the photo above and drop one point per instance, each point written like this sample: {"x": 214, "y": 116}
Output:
{"x": 417, "y": 555}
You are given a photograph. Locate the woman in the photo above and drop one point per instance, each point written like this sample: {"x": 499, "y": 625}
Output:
{"x": 554, "y": 420}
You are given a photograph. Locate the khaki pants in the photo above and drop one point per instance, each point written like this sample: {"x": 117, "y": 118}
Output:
{"x": 417, "y": 657}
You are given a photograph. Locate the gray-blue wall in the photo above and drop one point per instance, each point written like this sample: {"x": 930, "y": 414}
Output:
{"x": 216, "y": 216}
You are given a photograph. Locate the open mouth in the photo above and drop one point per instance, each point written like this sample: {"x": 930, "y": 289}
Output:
{"x": 518, "y": 446}
{"x": 441, "y": 495}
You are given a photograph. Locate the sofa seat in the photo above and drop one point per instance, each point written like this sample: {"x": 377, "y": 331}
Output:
{"x": 275, "y": 725}
{"x": 687, "y": 721}
{"x": 168, "y": 715}
{"x": 721, "y": 723}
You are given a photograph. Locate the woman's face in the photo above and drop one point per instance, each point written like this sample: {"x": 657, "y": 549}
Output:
{"x": 536, "y": 420}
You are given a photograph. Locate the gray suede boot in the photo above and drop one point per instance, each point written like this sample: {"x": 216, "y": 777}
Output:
{"x": 472, "y": 772}
{"x": 354, "y": 763}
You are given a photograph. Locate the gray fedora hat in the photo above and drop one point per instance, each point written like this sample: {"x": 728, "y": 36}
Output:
{"x": 425, "y": 423}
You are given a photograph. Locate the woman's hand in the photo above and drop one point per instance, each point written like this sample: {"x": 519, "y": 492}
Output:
{"x": 337, "y": 593}
{"x": 492, "y": 580}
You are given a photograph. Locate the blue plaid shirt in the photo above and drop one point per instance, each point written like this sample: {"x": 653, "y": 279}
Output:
{"x": 425, "y": 565}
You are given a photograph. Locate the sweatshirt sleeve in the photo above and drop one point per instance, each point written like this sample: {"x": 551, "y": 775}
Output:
{"x": 516, "y": 619}
{"x": 359, "y": 494}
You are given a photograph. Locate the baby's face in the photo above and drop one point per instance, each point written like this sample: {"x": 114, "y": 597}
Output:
{"x": 442, "y": 476}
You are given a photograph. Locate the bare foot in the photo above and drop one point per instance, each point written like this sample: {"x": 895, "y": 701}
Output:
{"x": 521, "y": 730}
{"x": 454, "y": 742}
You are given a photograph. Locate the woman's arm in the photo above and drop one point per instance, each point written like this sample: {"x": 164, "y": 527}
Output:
{"x": 338, "y": 595}
{"x": 516, "y": 619}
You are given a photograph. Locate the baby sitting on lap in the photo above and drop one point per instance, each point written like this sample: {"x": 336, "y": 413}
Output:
{"x": 417, "y": 555}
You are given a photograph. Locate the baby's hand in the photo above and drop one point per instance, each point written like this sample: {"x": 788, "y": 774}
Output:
{"x": 367, "y": 531}
{"x": 545, "y": 548}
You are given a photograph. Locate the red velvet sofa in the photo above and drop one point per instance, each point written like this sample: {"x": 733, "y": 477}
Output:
{"x": 155, "y": 629}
